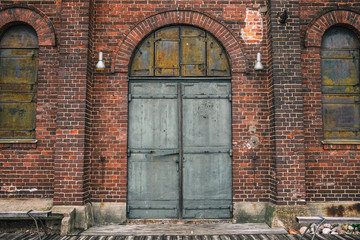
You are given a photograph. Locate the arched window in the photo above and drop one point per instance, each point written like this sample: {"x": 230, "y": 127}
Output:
{"x": 180, "y": 51}
{"x": 340, "y": 84}
{"x": 18, "y": 82}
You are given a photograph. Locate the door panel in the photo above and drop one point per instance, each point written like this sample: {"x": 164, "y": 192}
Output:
{"x": 207, "y": 177}
{"x": 206, "y": 116}
{"x": 207, "y": 185}
{"x": 153, "y": 149}
{"x": 156, "y": 185}
{"x": 153, "y": 122}
{"x": 153, "y": 186}
{"x": 205, "y": 123}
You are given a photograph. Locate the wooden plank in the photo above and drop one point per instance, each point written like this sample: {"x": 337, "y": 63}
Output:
{"x": 343, "y": 237}
{"x": 349, "y": 220}
{"x": 182, "y": 229}
{"x": 286, "y": 236}
{"x": 232, "y": 237}
{"x": 261, "y": 236}
{"x": 245, "y": 237}
{"x": 21, "y": 214}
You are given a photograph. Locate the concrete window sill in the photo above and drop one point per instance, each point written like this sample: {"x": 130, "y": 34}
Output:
{"x": 341, "y": 144}
{"x": 341, "y": 141}
{"x": 17, "y": 141}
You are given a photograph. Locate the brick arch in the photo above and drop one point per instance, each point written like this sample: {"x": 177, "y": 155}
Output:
{"x": 42, "y": 25}
{"x": 318, "y": 27}
{"x": 122, "y": 56}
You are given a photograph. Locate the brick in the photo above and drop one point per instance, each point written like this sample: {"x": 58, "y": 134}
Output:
{"x": 82, "y": 114}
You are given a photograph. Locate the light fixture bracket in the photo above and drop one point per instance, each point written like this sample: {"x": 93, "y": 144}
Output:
{"x": 258, "y": 65}
{"x": 100, "y": 64}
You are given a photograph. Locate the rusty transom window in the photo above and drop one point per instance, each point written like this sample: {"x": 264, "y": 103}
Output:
{"x": 340, "y": 84}
{"x": 180, "y": 51}
{"x": 18, "y": 82}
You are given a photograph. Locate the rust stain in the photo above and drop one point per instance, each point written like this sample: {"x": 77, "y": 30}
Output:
{"x": 18, "y": 82}
{"x": 175, "y": 51}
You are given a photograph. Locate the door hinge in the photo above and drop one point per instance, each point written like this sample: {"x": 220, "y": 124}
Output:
{"x": 231, "y": 152}
{"x": 127, "y": 208}
{"x": 128, "y": 152}
{"x": 230, "y": 97}
{"x": 129, "y": 99}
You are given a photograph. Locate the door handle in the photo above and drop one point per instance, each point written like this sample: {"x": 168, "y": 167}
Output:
{"x": 162, "y": 153}
{"x": 177, "y": 164}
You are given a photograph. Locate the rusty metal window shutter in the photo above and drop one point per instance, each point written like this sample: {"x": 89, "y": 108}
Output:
{"x": 19, "y": 50}
{"x": 180, "y": 51}
{"x": 340, "y": 84}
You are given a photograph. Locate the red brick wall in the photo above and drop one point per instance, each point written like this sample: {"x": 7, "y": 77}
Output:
{"x": 108, "y": 166}
{"x": 89, "y": 104}
{"x": 69, "y": 158}
{"x": 27, "y": 170}
{"x": 332, "y": 170}
{"x": 288, "y": 167}
{"x": 54, "y": 166}
{"x": 82, "y": 114}
{"x": 119, "y": 28}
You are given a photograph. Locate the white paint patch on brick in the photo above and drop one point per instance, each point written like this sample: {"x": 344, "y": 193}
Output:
{"x": 12, "y": 189}
{"x": 253, "y": 31}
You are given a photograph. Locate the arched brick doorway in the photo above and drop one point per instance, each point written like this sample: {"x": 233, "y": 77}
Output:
{"x": 179, "y": 144}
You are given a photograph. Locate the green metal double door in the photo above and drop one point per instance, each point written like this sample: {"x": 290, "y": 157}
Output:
{"x": 179, "y": 150}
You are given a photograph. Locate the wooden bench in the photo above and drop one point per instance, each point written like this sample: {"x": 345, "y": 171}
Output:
{"x": 20, "y": 215}
{"x": 321, "y": 220}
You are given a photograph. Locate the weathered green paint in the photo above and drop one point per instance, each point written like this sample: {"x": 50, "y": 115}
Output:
{"x": 153, "y": 137}
{"x": 340, "y": 84}
{"x": 18, "y": 82}
{"x": 180, "y": 51}
{"x": 207, "y": 146}
{"x": 154, "y": 147}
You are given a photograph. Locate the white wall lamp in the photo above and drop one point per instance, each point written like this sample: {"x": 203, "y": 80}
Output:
{"x": 100, "y": 64}
{"x": 258, "y": 65}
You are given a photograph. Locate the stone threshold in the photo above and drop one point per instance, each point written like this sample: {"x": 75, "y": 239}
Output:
{"x": 176, "y": 221}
